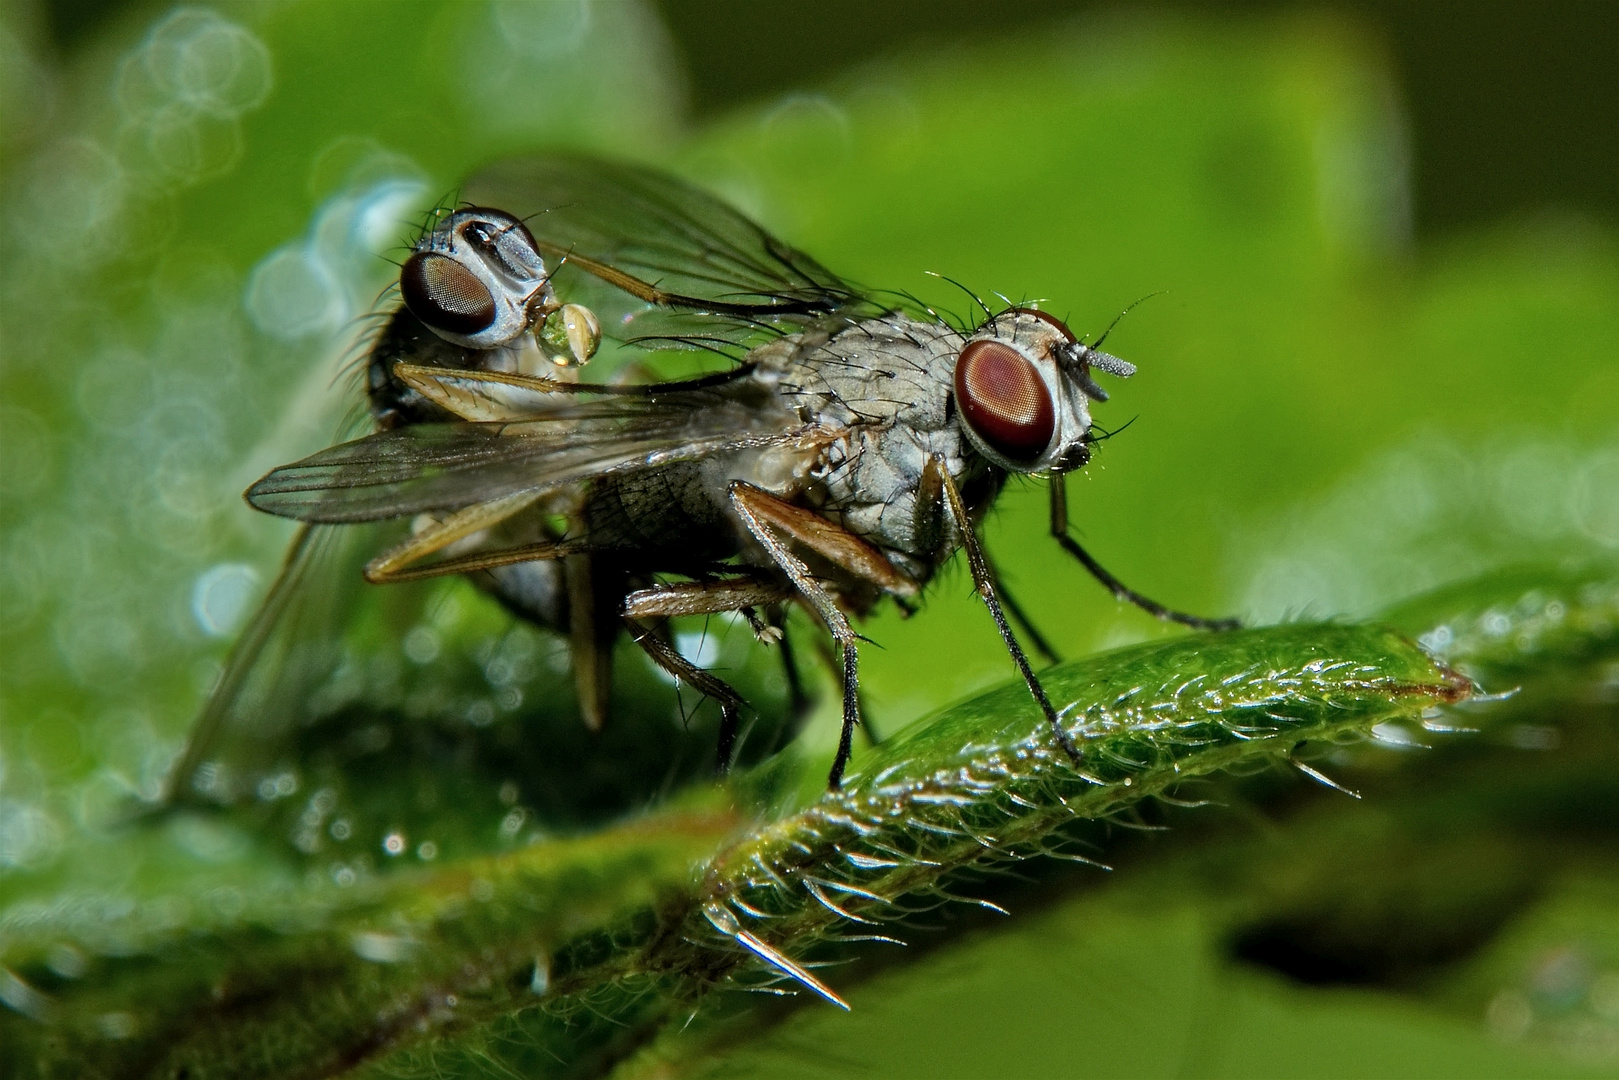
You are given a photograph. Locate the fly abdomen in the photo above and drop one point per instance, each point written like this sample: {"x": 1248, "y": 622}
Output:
{"x": 666, "y": 514}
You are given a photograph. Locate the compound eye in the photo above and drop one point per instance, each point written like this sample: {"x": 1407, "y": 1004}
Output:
{"x": 1004, "y": 400}
{"x": 1050, "y": 320}
{"x": 445, "y": 295}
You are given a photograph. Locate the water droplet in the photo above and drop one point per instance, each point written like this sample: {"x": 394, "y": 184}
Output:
{"x": 381, "y": 948}
{"x": 1595, "y": 497}
{"x": 26, "y": 450}
{"x": 394, "y": 843}
{"x": 221, "y": 596}
{"x": 29, "y": 837}
{"x": 182, "y": 92}
{"x": 421, "y": 645}
{"x": 292, "y": 293}
{"x": 189, "y": 147}
{"x": 217, "y": 66}
{"x": 79, "y": 187}
{"x": 1437, "y": 639}
{"x": 542, "y": 31}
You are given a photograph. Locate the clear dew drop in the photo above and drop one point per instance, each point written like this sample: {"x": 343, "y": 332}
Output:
{"x": 221, "y": 595}
{"x": 421, "y": 645}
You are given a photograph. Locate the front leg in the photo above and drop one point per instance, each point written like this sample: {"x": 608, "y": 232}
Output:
{"x": 1059, "y": 532}
{"x": 937, "y": 477}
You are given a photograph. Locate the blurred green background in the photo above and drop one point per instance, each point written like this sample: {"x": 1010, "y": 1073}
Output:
{"x": 1385, "y": 357}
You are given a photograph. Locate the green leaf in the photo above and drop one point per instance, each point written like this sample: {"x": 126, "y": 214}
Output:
{"x": 306, "y": 980}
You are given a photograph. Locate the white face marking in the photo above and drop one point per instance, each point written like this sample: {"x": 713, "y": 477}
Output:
{"x": 477, "y": 279}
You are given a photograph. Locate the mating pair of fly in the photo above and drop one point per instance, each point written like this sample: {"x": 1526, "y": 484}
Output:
{"x": 844, "y": 455}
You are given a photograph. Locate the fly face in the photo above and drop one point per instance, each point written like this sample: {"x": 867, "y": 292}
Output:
{"x": 1023, "y": 387}
{"x": 477, "y": 279}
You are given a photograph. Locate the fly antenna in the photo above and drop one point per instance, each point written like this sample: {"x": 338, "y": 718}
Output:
{"x": 1120, "y": 316}
{"x": 547, "y": 210}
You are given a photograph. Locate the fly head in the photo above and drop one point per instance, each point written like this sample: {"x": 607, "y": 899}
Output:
{"x": 477, "y": 279}
{"x": 1023, "y": 389}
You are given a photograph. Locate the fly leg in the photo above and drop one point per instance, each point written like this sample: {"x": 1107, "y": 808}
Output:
{"x": 698, "y": 598}
{"x": 590, "y": 630}
{"x": 798, "y": 700}
{"x": 984, "y": 579}
{"x": 729, "y": 701}
{"x": 763, "y": 515}
{"x": 1019, "y": 616}
{"x": 824, "y": 653}
{"x": 591, "y": 633}
{"x": 394, "y": 564}
{"x": 703, "y": 597}
{"x": 1059, "y": 532}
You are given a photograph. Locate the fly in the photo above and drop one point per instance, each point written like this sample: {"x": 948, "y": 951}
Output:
{"x": 845, "y": 453}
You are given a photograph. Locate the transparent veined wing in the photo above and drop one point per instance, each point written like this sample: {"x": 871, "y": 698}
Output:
{"x": 661, "y": 261}
{"x": 407, "y": 710}
{"x": 432, "y": 467}
{"x": 272, "y": 680}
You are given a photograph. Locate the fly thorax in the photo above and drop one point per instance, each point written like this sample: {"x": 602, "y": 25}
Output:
{"x": 780, "y": 470}
{"x": 887, "y": 382}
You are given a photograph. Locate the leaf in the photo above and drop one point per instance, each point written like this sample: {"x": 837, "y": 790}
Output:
{"x": 315, "y": 980}
{"x": 1521, "y": 622}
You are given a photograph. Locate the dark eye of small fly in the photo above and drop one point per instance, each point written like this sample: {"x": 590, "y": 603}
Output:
{"x": 445, "y": 295}
{"x": 1004, "y": 400}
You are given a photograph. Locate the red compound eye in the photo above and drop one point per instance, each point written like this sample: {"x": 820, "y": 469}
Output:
{"x": 445, "y": 295}
{"x": 1004, "y": 400}
{"x": 1050, "y": 320}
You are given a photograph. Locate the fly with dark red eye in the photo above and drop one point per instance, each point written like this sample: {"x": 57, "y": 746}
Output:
{"x": 845, "y": 453}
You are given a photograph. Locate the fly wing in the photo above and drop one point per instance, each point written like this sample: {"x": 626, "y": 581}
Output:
{"x": 271, "y": 682}
{"x": 434, "y": 467}
{"x": 664, "y": 262}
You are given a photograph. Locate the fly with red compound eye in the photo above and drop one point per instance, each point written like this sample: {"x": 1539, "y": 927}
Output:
{"x": 841, "y": 457}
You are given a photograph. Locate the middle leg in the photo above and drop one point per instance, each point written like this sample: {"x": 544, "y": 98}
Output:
{"x": 670, "y": 660}
{"x": 698, "y": 598}
{"x": 763, "y": 515}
